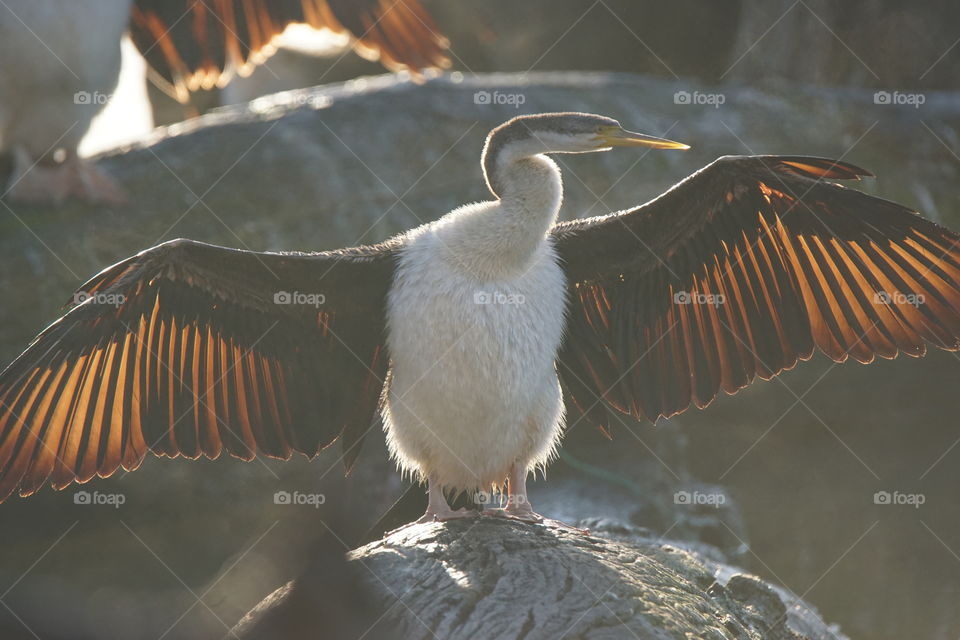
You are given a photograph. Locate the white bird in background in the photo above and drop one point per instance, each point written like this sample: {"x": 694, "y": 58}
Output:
{"x": 475, "y": 337}
{"x": 62, "y": 63}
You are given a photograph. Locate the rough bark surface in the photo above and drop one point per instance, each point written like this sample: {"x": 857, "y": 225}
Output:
{"x": 494, "y": 579}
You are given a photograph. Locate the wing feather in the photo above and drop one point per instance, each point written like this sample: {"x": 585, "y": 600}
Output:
{"x": 183, "y": 350}
{"x": 741, "y": 271}
{"x": 200, "y": 44}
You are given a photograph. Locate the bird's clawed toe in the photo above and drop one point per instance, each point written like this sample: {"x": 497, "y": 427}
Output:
{"x": 435, "y": 515}
{"x": 524, "y": 515}
{"x": 442, "y": 515}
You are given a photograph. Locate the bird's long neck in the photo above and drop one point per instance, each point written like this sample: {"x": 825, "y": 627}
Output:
{"x": 502, "y": 238}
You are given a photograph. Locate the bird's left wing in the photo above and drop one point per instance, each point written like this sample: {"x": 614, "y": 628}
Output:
{"x": 740, "y": 271}
{"x": 188, "y": 349}
{"x": 198, "y": 44}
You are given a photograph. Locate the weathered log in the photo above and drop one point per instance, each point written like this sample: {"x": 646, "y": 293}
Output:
{"x": 492, "y": 579}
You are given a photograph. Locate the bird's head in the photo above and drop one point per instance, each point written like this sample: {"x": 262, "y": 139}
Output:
{"x": 573, "y": 133}
{"x": 569, "y": 132}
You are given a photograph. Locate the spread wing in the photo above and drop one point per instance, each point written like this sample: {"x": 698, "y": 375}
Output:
{"x": 200, "y": 44}
{"x": 189, "y": 349}
{"x": 739, "y": 272}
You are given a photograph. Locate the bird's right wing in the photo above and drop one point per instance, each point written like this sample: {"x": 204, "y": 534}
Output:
{"x": 740, "y": 271}
{"x": 198, "y": 44}
{"x": 189, "y": 349}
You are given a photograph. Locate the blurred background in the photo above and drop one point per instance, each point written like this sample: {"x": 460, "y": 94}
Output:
{"x": 805, "y": 459}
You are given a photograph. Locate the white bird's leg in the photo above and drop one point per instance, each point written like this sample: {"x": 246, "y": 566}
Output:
{"x": 76, "y": 177}
{"x": 518, "y": 505}
{"x": 437, "y": 508}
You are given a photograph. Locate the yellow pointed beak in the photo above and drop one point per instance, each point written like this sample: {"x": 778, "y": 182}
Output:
{"x": 614, "y": 136}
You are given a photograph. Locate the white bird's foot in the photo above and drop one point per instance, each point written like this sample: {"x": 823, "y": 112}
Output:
{"x": 437, "y": 509}
{"x": 442, "y": 515}
{"x": 435, "y": 516}
{"x": 518, "y": 505}
{"x": 527, "y": 514}
{"x": 75, "y": 177}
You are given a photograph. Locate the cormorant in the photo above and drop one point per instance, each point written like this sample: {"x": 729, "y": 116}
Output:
{"x": 63, "y": 62}
{"x": 475, "y": 337}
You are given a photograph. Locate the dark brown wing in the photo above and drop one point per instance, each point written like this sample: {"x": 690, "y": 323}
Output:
{"x": 189, "y": 349}
{"x": 740, "y": 271}
{"x": 199, "y": 44}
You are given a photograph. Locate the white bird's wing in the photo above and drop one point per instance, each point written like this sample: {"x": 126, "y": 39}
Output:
{"x": 740, "y": 271}
{"x": 189, "y": 349}
{"x": 192, "y": 45}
